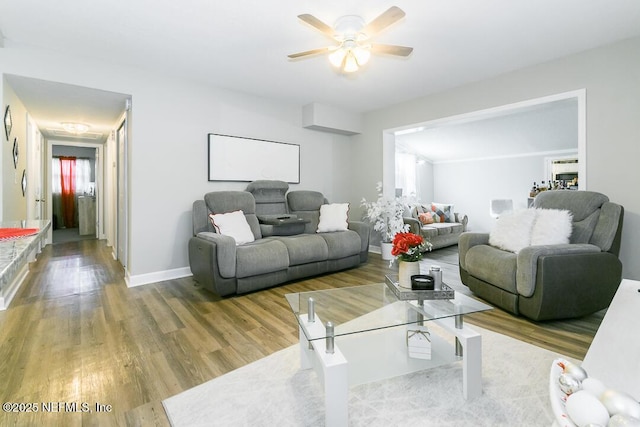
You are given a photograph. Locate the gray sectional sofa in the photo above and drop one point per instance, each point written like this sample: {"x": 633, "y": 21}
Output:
{"x": 286, "y": 246}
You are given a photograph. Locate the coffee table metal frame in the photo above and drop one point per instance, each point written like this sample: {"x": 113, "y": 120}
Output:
{"x": 318, "y": 349}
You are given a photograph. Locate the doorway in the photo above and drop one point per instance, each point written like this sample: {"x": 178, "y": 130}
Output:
{"x": 52, "y": 105}
{"x": 495, "y": 153}
{"x": 73, "y": 193}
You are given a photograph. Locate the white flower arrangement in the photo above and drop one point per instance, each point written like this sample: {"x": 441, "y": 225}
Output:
{"x": 386, "y": 214}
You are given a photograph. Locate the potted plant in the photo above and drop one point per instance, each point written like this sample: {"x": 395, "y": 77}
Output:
{"x": 407, "y": 249}
{"x": 386, "y": 216}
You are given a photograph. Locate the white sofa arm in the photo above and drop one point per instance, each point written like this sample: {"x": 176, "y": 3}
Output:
{"x": 527, "y": 262}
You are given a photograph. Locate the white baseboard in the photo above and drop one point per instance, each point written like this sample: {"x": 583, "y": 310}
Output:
{"x": 375, "y": 249}
{"x": 157, "y": 276}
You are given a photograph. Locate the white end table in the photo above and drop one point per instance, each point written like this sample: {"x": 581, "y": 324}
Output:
{"x": 615, "y": 351}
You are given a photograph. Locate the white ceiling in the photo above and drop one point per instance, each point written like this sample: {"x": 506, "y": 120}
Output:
{"x": 551, "y": 127}
{"x": 243, "y": 46}
{"x": 50, "y": 104}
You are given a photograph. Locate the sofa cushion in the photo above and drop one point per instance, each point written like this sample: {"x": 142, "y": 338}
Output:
{"x": 583, "y": 230}
{"x": 516, "y": 230}
{"x": 333, "y": 217}
{"x": 425, "y": 215}
{"x": 233, "y": 224}
{"x": 512, "y": 230}
{"x": 493, "y": 265}
{"x": 584, "y": 205}
{"x": 425, "y": 218}
{"x": 261, "y": 256}
{"x": 428, "y": 231}
{"x": 269, "y": 196}
{"x": 342, "y": 244}
{"x": 306, "y": 204}
{"x": 305, "y": 248}
{"x": 443, "y": 211}
{"x": 228, "y": 201}
{"x": 441, "y": 229}
{"x": 551, "y": 227}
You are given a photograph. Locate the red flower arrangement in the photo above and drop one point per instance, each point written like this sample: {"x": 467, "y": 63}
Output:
{"x": 409, "y": 247}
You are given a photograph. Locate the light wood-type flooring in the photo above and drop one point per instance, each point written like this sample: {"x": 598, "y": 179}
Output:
{"x": 76, "y": 335}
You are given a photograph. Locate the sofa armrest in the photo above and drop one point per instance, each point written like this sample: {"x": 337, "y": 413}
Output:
{"x": 527, "y": 262}
{"x": 462, "y": 219}
{"x": 224, "y": 253}
{"x": 467, "y": 241}
{"x": 364, "y": 230}
{"x": 414, "y": 225}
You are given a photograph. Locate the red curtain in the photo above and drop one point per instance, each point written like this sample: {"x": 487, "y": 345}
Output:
{"x": 68, "y": 184}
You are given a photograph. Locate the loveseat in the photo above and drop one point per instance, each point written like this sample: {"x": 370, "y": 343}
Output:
{"x": 289, "y": 238}
{"x": 437, "y": 223}
{"x": 558, "y": 260}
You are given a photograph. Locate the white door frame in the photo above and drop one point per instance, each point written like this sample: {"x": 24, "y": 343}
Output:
{"x": 35, "y": 156}
{"x": 122, "y": 194}
{"x": 100, "y": 227}
{"x": 388, "y": 143}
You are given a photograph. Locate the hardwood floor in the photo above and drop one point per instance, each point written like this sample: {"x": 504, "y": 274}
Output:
{"x": 75, "y": 334}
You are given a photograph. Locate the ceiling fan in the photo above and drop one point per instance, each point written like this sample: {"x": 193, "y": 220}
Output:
{"x": 352, "y": 34}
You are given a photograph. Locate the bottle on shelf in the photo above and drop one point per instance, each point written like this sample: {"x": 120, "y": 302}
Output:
{"x": 534, "y": 190}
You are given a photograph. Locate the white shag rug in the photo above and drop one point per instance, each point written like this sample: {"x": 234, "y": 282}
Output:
{"x": 273, "y": 391}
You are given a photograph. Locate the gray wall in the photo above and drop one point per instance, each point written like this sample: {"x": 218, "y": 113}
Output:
{"x": 14, "y": 204}
{"x": 470, "y": 185}
{"x": 171, "y": 118}
{"x": 611, "y": 77}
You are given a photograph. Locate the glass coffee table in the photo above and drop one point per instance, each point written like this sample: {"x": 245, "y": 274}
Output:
{"x": 359, "y": 334}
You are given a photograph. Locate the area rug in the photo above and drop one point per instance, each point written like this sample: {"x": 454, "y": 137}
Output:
{"x": 274, "y": 392}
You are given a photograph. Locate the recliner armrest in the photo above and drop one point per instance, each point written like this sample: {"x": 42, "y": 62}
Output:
{"x": 225, "y": 252}
{"x": 364, "y": 230}
{"x": 467, "y": 241}
{"x": 527, "y": 262}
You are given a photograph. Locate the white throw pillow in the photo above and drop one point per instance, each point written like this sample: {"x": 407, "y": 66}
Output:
{"x": 233, "y": 224}
{"x": 333, "y": 217}
{"x": 551, "y": 227}
{"x": 512, "y": 231}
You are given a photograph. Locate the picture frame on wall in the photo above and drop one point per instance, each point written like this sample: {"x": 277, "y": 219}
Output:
{"x": 241, "y": 159}
{"x": 7, "y": 122}
{"x": 15, "y": 153}
{"x": 24, "y": 182}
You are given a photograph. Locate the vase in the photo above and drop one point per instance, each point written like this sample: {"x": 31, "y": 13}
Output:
{"x": 405, "y": 271}
{"x": 385, "y": 250}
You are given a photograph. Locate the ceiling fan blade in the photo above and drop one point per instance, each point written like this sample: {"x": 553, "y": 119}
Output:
{"x": 387, "y": 18}
{"x": 309, "y": 52}
{"x": 317, "y": 24}
{"x": 390, "y": 49}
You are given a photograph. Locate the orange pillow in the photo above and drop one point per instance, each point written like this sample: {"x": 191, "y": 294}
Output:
{"x": 425, "y": 218}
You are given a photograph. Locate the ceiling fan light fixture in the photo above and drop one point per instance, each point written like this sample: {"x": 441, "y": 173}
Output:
{"x": 75, "y": 128}
{"x": 352, "y": 34}
{"x": 337, "y": 57}
{"x": 349, "y": 27}
{"x": 362, "y": 55}
{"x": 350, "y": 63}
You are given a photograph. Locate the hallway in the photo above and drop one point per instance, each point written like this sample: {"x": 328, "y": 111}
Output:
{"x": 65, "y": 235}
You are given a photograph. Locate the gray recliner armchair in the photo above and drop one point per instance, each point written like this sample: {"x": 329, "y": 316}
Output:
{"x": 551, "y": 281}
